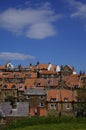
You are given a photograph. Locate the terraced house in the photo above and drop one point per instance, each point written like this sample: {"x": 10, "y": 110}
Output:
{"x": 41, "y": 88}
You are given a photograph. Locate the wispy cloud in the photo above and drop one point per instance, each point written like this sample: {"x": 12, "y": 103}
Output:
{"x": 33, "y": 22}
{"x": 79, "y": 9}
{"x": 14, "y": 56}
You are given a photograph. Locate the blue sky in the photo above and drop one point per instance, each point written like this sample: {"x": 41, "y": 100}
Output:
{"x": 43, "y": 30}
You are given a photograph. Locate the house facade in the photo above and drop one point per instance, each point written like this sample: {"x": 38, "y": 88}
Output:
{"x": 37, "y": 101}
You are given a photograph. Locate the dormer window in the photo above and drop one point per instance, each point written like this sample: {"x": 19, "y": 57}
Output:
{"x": 6, "y": 74}
{"x": 66, "y": 99}
{"x": 53, "y": 99}
{"x": 9, "y": 66}
{"x": 13, "y": 87}
{"x": 28, "y": 75}
{"x": 16, "y": 76}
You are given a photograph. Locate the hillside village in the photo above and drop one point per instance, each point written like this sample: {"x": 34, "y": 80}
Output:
{"x": 36, "y": 90}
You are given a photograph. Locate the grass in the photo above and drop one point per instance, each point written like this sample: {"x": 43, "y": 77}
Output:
{"x": 48, "y": 123}
{"x": 62, "y": 126}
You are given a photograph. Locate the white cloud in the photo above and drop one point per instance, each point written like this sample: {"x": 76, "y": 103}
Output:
{"x": 37, "y": 22}
{"x": 41, "y": 30}
{"x": 79, "y": 9}
{"x": 14, "y": 56}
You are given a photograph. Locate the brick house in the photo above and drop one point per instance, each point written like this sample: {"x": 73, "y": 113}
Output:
{"x": 37, "y": 101}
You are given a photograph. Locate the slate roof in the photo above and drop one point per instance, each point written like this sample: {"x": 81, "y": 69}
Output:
{"x": 5, "y": 107}
{"x": 21, "y": 110}
{"x": 1, "y": 114}
{"x": 33, "y": 91}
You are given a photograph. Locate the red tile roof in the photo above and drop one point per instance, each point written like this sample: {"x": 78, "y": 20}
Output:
{"x": 61, "y": 95}
{"x": 72, "y": 80}
{"x": 9, "y": 85}
{"x": 2, "y": 67}
{"x": 41, "y": 82}
{"x": 42, "y": 66}
{"x": 47, "y": 72}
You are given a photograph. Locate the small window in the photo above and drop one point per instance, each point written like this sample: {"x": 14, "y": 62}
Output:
{"x": 6, "y": 74}
{"x": 14, "y": 94}
{"x": 53, "y": 99}
{"x": 28, "y": 97}
{"x": 52, "y": 76}
{"x": 42, "y": 76}
{"x": 41, "y": 97}
{"x": 66, "y": 99}
{"x": 53, "y": 106}
{"x": 25, "y": 87}
{"x": 5, "y": 87}
{"x": 5, "y": 94}
{"x": 16, "y": 76}
{"x": 49, "y": 82}
{"x": 13, "y": 87}
{"x": 20, "y": 93}
{"x": 39, "y": 83}
{"x": 67, "y": 106}
{"x": 41, "y": 104}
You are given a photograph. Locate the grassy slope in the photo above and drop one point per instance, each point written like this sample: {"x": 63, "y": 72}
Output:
{"x": 50, "y": 123}
{"x": 62, "y": 126}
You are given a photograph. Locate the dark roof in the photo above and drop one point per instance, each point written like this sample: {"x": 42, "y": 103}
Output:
{"x": 34, "y": 91}
{"x": 20, "y": 111}
{"x": 5, "y": 107}
{"x": 1, "y": 114}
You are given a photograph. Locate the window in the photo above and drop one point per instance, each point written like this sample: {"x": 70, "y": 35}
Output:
{"x": 52, "y": 76}
{"x": 5, "y": 94}
{"x": 14, "y": 94}
{"x": 53, "y": 99}
{"x": 28, "y": 75}
{"x": 20, "y": 93}
{"x": 25, "y": 87}
{"x": 16, "y": 76}
{"x": 42, "y": 76}
{"x": 41, "y": 97}
{"x": 53, "y": 106}
{"x": 50, "y": 82}
{"x": 66, "y": 99}
{"x": 41, "y": 104}
{"x": 28, "y": 97}
{"x": 39, "y": 83}
{"x": 13, "y": 87}
{"x": 6, "y": 74}
{"x": 67, "y": 106}
{"x": 5, "y": 87}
